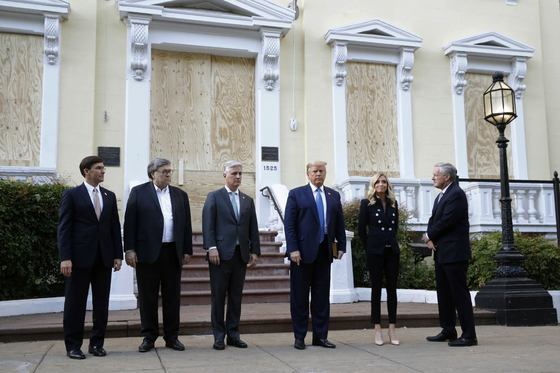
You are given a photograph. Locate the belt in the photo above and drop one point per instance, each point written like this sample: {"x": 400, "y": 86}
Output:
{"x": 167, "y": 244}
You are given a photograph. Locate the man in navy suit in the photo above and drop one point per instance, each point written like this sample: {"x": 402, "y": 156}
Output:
{"x": 231, "y": 236}
{"x": 312, "y": 221}
{"x": 448, "y": 236}
{"x": 157, "y": 242}
{"x": 89, "y": 243}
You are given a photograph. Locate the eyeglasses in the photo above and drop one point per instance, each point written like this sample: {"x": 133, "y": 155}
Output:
{"x": 166, "y": 172}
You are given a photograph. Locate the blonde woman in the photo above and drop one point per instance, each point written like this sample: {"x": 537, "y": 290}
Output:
{"x": 377, "y": 227}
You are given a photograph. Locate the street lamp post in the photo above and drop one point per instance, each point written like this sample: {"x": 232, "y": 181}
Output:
{"x": 517, "y": 300}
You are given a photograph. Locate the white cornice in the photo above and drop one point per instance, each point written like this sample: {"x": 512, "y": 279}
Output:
{"x": 373, "y": 33}
{"x": 260, "y": 13}
{"x": 37, "y": 7}
{"x": 489, "y": 44}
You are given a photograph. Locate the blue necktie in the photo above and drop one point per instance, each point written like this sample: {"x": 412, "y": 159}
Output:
{"x": 234, "y": 205}
{"x": 319, "y": 201}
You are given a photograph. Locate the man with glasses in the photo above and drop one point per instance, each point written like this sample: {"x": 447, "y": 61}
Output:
{"x": 89, "y": 243}
{"x": 157, "y": 242}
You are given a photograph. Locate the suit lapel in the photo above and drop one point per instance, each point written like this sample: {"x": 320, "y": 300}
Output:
{"x": 309, "y": 194}
{"x": 329, "y": 199}
{"x": 106, "y": 202}
{"x": 225, "y": 195}
{"x": 87, "y": 199}
{"x": 443, "y": 197}
{"x": 153, "y": 195}
{"x": 242, "y": 204}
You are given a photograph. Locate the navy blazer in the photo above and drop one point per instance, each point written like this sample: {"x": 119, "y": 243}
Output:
{"x": 221, "y": 229}
{"x": 301, "y": 223}
{"x": 143, "y": 223}
{"x": 382, "y": 226}
{"x": 448, "y": 226}
{"x": 80, "y": 234}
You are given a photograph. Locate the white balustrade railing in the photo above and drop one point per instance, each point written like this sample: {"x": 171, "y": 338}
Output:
{"x": 532, "y": 203}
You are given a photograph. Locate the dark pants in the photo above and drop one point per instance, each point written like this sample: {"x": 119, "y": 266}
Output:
{"x": 227, "y": 279}
{"x": 76, "y": 293}
{"x": 317, "y": 277}
{"x": 387, "y": 263}
{"x": 453, "y": 293}
{"x": 167, "y": 272}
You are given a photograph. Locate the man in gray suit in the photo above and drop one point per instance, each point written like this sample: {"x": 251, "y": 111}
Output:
{"x": 231, "y": 236}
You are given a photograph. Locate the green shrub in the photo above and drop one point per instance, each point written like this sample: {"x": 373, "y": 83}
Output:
{"x": 29, "y": 260}
{"x": 414, "y": 273}
{"x": 542, "y": 259}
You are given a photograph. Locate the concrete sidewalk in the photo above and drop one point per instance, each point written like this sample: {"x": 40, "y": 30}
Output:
{"x": 500, "y": 349}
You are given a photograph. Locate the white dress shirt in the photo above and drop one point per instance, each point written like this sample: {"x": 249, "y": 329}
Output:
{"x": 324, "y": 197}
{"x": 90, "y": 189}
{"x": 164, "y": 199}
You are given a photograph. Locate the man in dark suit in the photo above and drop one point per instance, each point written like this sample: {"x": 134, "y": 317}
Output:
{"x": 312, "y": 221}
{"x": 231, "y": 236}
{"x": 89, "y": 243}
{"x": 158, "y": 241}
{"x": 448, "y": 236}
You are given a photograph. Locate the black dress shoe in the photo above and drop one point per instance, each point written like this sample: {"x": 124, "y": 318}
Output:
{"x": 463, "y": 342}
{"x": 323, "y": 343}
{"x": 236, "y": 342}
{"x": 175, "y": 345}
{"x": 442, "y": 337}
{"x": 299, "y": 344}
{"x": 219, "y": 344}
{"x": 146, "y": 346}
{"x": 97, "y": 351}
{"x": 76, "y": 354}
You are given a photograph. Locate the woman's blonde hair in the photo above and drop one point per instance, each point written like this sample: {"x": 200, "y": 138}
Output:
{"x": 371, "y": 192}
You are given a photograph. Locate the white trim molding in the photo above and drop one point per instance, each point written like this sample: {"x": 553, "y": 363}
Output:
{"x": 235, "y": 28}
{"x": 373, "y": 41}
{"x": 486, "y": 53}
{"x": 41, "y": 17}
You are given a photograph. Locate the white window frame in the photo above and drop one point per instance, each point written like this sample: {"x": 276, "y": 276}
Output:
{"x": 373, "y": 41}
{"x": 486, "y": 53}
{"x": 40, "y": 18}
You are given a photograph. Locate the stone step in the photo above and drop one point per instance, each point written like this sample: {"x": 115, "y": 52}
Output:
{"x": 264, "y": 258}
{"x": 201, "y": 270}
{"x": 251, "y": 282}
{"x": 201, "y": 297}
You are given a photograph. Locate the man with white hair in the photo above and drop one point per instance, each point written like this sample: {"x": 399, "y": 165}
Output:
{"x": 231, "y": 236}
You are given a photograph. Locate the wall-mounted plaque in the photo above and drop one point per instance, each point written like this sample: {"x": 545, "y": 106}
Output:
{"x": 269, "y": 154}
{"x": 111, "y": 155}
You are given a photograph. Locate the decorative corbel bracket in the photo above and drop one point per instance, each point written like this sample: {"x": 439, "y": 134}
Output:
{"x": 340, "y": 56}
{"x": 271, "y": 57}
{"x": 139, "y": 46}
{"x": 519, "y": 69}
{"x": 405, "y": 68}
{"x": 52, "y": 39}
{"x": 458, "y": 70}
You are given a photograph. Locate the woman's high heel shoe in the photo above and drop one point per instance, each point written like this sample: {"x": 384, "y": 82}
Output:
{"x": 378, "y": 338}
{"x": 394, "y": 341}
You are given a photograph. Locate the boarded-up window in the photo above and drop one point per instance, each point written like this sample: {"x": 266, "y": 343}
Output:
{"x": 371, "y": 119}
{"x": 482, "y": 150}
{"x": 203, "y": 111}
{"x": 21, "y": 89}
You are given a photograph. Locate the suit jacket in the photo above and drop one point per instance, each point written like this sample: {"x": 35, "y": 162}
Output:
{"x": 221, "y": 229}
{"x": 448, "y": 226}
{"x": 143, "y": 223}
{"x": 382, "y": 226}
{"x": 302, "y": 227}
{"x": 80, "y": 234}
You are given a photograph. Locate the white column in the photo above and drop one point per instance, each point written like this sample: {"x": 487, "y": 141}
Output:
{"x": 458, "y": 70}
{"x": 137, "y": 104}
{"x": 518, "y": 146}
{"x": 404, "y": 113}
{"x": 267, "y": 132}
{"x": 51, "y": 91}
{"x": 342, "y": 276}
{"x": 339, "y": 57}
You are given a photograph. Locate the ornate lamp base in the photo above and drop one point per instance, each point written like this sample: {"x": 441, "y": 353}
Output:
{"x": 517, "y": 301}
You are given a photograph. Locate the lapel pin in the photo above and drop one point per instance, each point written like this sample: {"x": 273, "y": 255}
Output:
{"x": 105, "y": 193}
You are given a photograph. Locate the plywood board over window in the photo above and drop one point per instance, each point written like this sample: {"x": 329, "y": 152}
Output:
{"x": 371, "y": 119}
{"x": 482, "y": 150}
{"x": 21, "y": 89}
{"x": 203, "y": 111}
